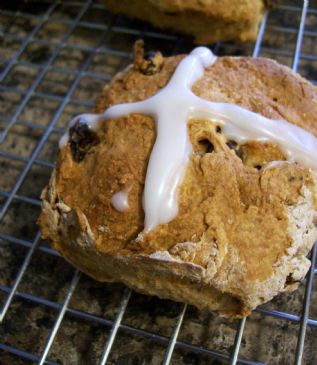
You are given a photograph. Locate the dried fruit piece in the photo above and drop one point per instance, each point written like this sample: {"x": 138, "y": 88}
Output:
{"x": 81, "y": 139}
{"x": 148, "y": 63}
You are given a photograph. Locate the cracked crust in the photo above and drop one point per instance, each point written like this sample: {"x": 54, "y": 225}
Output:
{"x": 245, "y": 225}
{"x": 208, "y": 21}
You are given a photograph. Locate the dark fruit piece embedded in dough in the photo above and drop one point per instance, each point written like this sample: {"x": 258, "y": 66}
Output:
{"x": 149, "y": 63}
{"x": 81, "y": 139}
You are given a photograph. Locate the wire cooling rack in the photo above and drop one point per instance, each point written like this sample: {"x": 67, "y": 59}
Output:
{"x": 55, "y": 57}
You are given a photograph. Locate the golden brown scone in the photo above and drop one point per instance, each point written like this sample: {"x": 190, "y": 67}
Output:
{"x": 208, "y": 21}
{"x": 244, "y": 226}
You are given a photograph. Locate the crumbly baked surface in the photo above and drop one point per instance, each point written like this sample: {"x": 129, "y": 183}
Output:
{"x": 244, "y": 227}
{"x": 207, "y": 21}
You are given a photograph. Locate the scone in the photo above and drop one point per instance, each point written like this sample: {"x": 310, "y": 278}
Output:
{"x": 197, "y": 184}
{"x": 208, "y": 21}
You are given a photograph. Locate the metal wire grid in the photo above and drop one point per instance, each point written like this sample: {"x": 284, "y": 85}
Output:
{"x": 11, "y": 292}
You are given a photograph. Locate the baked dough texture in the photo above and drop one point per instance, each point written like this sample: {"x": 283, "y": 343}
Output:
{"x": 245, "y": 225}
{"x": 208, "y": 21}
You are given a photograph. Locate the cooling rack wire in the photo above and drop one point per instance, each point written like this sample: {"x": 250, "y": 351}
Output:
{"x": 54, "y": 59}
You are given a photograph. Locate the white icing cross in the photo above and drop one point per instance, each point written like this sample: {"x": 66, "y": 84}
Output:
{"x": 171, "y": 108}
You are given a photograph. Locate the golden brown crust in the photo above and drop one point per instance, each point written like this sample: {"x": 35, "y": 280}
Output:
{"x": 243, "y": 228}
{"x": 207, "y": 21}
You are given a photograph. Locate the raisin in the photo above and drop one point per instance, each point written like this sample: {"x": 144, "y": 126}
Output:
{"x": 148, "y": 56}
{"x": 81, "y": 139}
{"x": 153, "y": 63}
{"x": 148, "y": 63}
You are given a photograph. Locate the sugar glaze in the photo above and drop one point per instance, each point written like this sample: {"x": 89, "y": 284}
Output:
{"x": 171, "y": 109}
{"x": 120, "y": 201}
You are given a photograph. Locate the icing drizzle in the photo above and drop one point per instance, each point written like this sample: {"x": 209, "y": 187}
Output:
{"x": 120, "y": 201}
{"x": 171, "y": 109}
